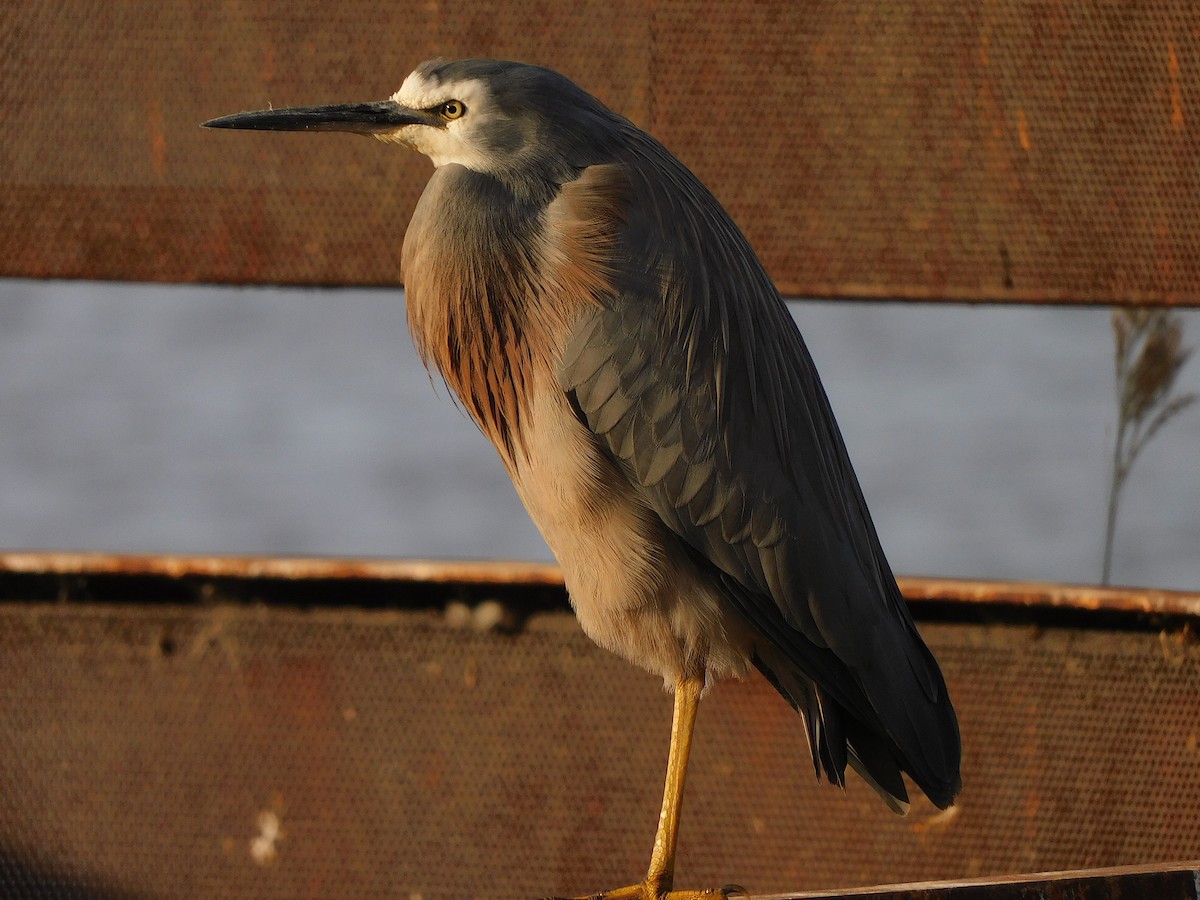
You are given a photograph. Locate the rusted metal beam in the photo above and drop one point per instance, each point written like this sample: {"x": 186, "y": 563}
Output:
{"x": 405, "y": 727}
{"x": 922, "y": 151}
{"x": 1172, "y": 882}
{"x": 483, "y": 573}
{"x": 1042, "y": 594}
{"x": 299, "y": 568}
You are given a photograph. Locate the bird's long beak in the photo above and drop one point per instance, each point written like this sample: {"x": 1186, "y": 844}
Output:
{"x": 359, "y": 118}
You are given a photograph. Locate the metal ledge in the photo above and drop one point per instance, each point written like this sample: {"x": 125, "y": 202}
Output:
{"x": 1165, "y": 882}
{"x": 1029, "y": 595}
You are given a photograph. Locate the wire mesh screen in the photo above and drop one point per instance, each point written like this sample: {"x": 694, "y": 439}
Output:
{"x": 249, "y": 751}
{"x": 973, "y": 151}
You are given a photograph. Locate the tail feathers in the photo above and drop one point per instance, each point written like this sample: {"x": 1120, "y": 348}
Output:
{"x": 802, "y": 695}
{"x": 837, "y": 738}
{"x": 870, "y": 758}
{"x": 921, "y": 728}
{"x": 896, "y": 798}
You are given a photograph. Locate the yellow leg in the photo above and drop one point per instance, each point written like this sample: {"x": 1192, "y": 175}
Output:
{"x": 661, "y": 875}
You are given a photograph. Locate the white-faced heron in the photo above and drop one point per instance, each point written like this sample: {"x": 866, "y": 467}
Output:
{"x": 609, "y": 328}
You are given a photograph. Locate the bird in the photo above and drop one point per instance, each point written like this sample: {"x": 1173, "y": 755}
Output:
{"x": 609, "y": 328}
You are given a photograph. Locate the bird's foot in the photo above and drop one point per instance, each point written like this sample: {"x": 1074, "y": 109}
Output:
{"x": 647, "y": 890}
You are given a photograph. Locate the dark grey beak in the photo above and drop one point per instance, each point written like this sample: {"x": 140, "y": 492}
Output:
{"x": 357, "y": 118}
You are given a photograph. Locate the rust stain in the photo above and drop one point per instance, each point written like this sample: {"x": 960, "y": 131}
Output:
{"x": 1032, "y": 751}
{"x": 1176, "y": 87}
{"x": 158, "y": 139}
{"x": 1165, "y": 255}
{"x": 1023, "y": 130}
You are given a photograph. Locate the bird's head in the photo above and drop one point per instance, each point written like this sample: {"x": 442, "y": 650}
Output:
{"x": 500, "y": 118}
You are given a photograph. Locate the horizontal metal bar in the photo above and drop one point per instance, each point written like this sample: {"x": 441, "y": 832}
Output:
{"x": 1011, "y": 594}
{"x": 1162, "y": 882}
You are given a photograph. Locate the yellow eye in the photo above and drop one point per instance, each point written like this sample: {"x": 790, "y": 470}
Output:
{"x": 452, "y": 109}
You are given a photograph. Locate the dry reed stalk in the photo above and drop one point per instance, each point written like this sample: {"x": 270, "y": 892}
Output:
{"x": 1149, "y": 354}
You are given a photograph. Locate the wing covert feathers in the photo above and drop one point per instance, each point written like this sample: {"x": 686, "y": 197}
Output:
{"x": 693, "y": 375}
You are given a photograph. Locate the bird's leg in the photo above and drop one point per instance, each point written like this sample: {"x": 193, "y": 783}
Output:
{"x": 661, "y": 875}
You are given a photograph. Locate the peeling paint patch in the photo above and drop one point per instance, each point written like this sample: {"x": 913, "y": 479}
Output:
{"x": 270, "y": 831}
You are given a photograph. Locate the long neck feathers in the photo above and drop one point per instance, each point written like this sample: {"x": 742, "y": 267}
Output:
{"x": 494, "y": 286}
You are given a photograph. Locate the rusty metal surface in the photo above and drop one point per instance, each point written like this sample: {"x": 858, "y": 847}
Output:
{"x": 510, "y": 573}
{"x": 1038, "y": 595}
{"x": 225, "y": 749}
{"x": 1181, "y": 882}
{"x": 475, "y": 572}
{"x": 1001, "y": 151}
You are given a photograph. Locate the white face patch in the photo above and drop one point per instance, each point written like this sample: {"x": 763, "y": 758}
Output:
{"x": 418, "y": 92}
{"x": 456, "y": 142}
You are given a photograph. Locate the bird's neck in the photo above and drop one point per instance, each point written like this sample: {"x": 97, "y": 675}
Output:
{"x": 479, "y": 305}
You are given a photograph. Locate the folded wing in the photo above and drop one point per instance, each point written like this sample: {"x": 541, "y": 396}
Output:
{"x": 693, "y": 376}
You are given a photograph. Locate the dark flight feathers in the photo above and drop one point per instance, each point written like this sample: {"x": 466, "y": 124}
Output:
{"x": 697, "y": 382}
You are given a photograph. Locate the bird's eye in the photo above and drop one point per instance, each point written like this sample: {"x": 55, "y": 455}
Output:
{"x": 452, "y": 109}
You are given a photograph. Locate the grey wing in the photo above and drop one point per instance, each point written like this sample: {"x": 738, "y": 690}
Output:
{"x": 695, "y": 379}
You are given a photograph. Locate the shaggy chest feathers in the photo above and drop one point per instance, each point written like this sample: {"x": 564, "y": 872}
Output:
{"x": 495, "y": 286}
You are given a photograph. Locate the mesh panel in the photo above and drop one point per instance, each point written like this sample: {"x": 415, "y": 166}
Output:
{"x": 973, "y": 151}
{"x": 237, "y": 751}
